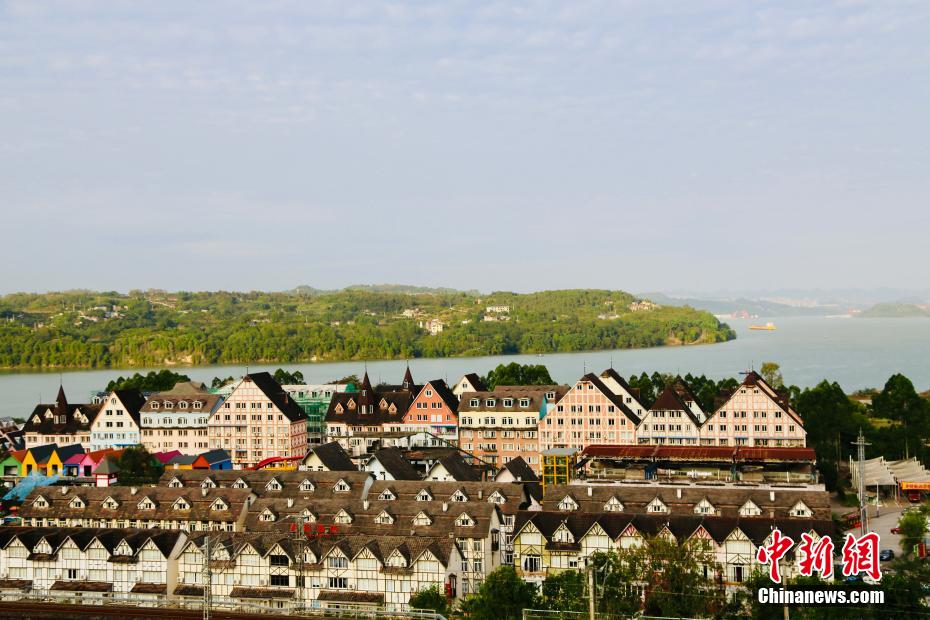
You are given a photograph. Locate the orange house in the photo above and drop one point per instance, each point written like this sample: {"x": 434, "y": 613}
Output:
{"x": 434, "y": 410}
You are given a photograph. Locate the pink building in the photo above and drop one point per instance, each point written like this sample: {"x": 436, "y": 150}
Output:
{"x": 754, "y": 414}
{"x": 434, "y": 410}
{"x": 258, "y": 420}
{"x": 589, "y": 413}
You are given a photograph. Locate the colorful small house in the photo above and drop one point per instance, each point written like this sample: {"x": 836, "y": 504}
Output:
{"x": 56, "y": 461}
{"x": 106, "y": 472}
{"x": 36, "y": 459}
{"x": 213, "y": 459}
{"x": 84, "y": 465}
{"x": 12, "y": 465}
{"x": 165, "y": 457}
{"x": 181, "y": 461}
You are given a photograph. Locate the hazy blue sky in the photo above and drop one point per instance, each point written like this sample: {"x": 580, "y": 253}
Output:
{"x": 512, "y": 145}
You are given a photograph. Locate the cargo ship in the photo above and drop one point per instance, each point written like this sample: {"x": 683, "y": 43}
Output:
{"x": 769, "y": 327}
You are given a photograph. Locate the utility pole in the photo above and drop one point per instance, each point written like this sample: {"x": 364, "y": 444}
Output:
{"x": 860, "y": 444}
{"x": 591, "y": 591}
{"x": 300, "y": 543}
{"x": 207, "y": 574}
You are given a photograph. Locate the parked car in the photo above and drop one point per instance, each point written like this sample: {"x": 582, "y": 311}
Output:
{"x": 886, "y": 555}
{"x": 896, "y": 530}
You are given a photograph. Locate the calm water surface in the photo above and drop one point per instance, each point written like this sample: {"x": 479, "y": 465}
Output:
{"x": 856, "y": 352}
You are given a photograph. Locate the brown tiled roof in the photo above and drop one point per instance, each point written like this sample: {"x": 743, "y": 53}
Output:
{"x": 150, "y": 588}
{"x": 323, "y": 481}
{"x": 729, "y": 454}
{"x": 726, "y": 500}
{"x": 15, "y": 584}
{"x": 59, "y": 498}
{"x": 53, "y": 425}
{"x": 680, "y": 526}
{"x": 261, "y": 593}
{"x": 188, "y": 590}
{"x": 345, "y": 596}
{"x": 83, "y": 586}
{"x": 377, "y": 416}
{"x": 208, "y": 402}
{"x": 670, "y": 400}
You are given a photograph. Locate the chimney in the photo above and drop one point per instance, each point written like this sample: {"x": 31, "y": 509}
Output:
{"x": 519, "y": 478}
{"x": 204, "y": 491}
{"x": 678, "y": 492}
{"x": 133, "y": 490}
{"x": 290, "y": 502}
{"x": 365, "y": 504}
{"x": 771, "y": 496}
{"x": 64, "y": 490}
{"x": 445, "y": 506}
{"x": 480, "y": 493}
{"x": 590, "y": 491}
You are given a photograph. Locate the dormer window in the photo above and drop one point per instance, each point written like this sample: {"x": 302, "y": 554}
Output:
{"x": 384, "y": 518}
{"x": 198, "y": 404}
{"x": 613, "y": 505}
{"x": 497, "y": 498}
{"x": 342, "y": 517}
{"x": 342, "y": 486}
{"x": 656, "y": 505}
{"x": 563, "y": 535}
{"x": 339, "y": 408}
{"x": 169, "y": 404}
{"x": 422, "y": 519}
{"x": 491, "y": 402}
{"x": 524, "y": 402}
{"x": 387, "y": 495}
{"x": 383, "y": 404}
{"x": 181, "y": 504}
{"x": 123, "y": 549}
{"x": 219, "y": 504}
{"x": 240, "y": 484}
{"x": 146, "y": 504}
{"x": 182, "y": 404}
{"x": 308, "y": 515}
{"x": 508, "y": 402}
{"x": 110, "y": 503}
{"x": 392, "y": 409}
{"x": 397, "y": 559}
{"x": 474, "y": 402}
{"x": 704, "y": 507}
{"x": 464, "y": 520}
{"x": 266, "y": 515}
{"x": 77, "y": 502}
{"x": 208, "y": 484}
{"x": 154, "y": 405}
{"x": 801, "y": 510}
{"x": 459, "y": 496}
{"x": 351, "y": 403}
{"x": 273, "y": 485}
{"x": 175, "y": 483}
{"x": 750, "y": 509}
{"x": 568, "y": 503}
{"x": 424, "y": 496}
{"x": 306, "y": 486}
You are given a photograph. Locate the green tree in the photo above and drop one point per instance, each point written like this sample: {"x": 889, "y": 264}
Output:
{"x": 564, "y": 591}
{"x": 771, "y": 372}
{"x": 430, "y": 598}
{"x": 518, "y": 374}
{"x": 137, "y": 466}
{"x": 153, "y": 381}
{"x": 218, "y": 383}
{"x": 502, "y": 596}
{"x": 288, "y": 378}
{"x": 913, "y": 528}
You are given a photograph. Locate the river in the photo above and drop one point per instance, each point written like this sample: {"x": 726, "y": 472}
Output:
{"x": 856, "y": 352}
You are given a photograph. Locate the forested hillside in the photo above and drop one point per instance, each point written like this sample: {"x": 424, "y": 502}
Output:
{"x": 82, "y": 329}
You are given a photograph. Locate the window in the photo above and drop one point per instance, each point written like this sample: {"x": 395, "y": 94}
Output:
{"x": 531, "y": 563}
{"x": 72, "y": 573}
{"x": 276, "y": 559}
{"x": 337, "y": 561}
{"x": 338, "y": 583}
{"x": 280, "y": 580}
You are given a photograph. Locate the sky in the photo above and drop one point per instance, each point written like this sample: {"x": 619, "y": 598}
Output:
{"x": 515, "y": 145}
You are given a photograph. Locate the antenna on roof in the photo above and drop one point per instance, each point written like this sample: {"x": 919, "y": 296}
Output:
{"x": 584, "y": 366}
{"x": 611, "y": 362}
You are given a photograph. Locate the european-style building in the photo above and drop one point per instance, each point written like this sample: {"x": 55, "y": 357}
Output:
{"x": 258, "y": 420}
{"x": 178, "y": 419}
{"x": 116, "y": 424}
